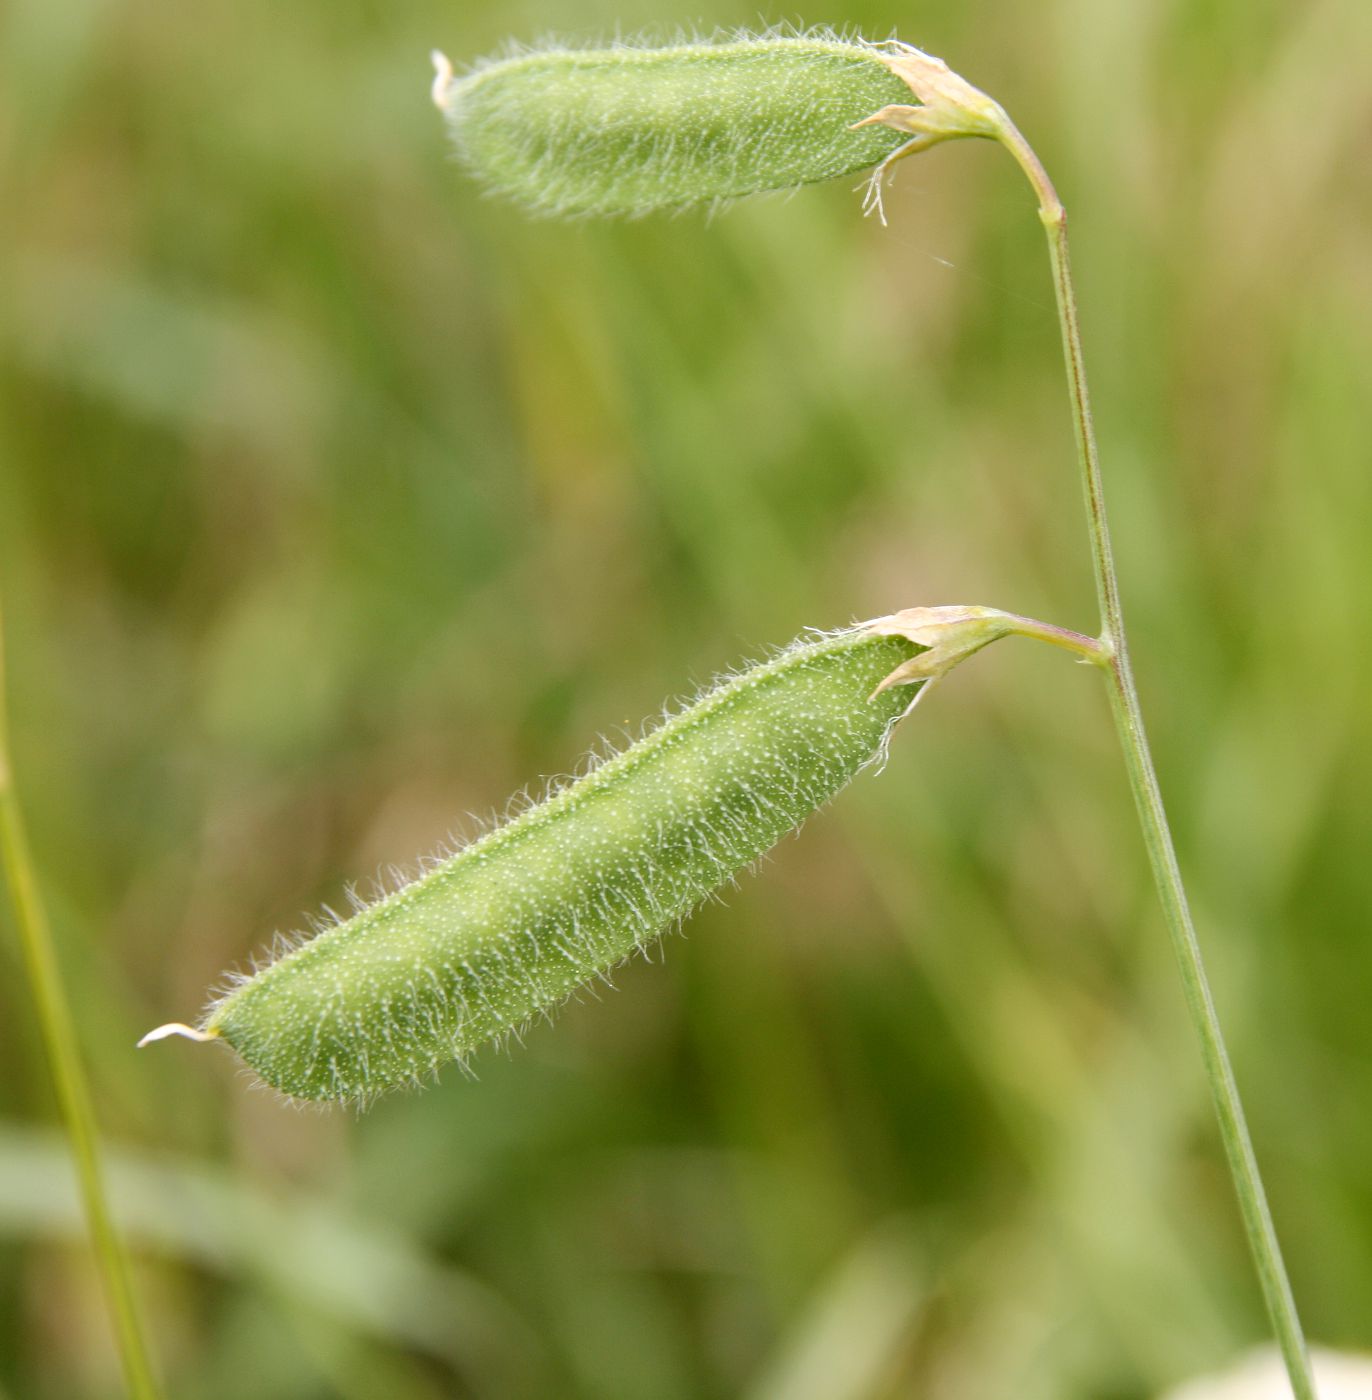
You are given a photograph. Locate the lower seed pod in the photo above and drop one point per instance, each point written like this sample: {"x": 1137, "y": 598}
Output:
{"x": 626, "y": 130}
{"x": 522, "y": 917}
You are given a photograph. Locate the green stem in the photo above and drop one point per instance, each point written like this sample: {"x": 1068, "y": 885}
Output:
{"x": 69, "y": 1080}
{"x": 1243, "y": 1166}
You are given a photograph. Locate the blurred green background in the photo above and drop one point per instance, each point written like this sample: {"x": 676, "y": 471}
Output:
{"x": 337, "y": 502}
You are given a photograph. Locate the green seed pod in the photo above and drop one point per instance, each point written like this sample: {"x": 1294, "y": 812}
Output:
{"x": 513, "y": 923}
{"x": 626, "y": 130}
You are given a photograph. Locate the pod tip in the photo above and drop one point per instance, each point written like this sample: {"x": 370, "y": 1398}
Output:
{"x": 176, "y": 1028}
{"x": 443, "y": 78}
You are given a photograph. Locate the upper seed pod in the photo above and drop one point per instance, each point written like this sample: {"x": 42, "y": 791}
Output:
{"x": 627, "y": 130}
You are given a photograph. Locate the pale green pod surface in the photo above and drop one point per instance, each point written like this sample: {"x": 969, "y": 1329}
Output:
{"x": 536, "y": 908}
{"x": 628, "y": 130}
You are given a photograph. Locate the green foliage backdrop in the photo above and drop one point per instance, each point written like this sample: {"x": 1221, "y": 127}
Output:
{"x": 337, "y": 502}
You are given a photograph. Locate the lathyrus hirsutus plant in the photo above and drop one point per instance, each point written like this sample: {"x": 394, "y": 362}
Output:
{"x": 519, "y": 919}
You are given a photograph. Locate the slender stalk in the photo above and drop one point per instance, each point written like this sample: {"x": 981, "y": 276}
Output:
{"x": 1091, "y": 649}
{"x": 69, "y": 1080}
{"x": 1243, "y": 1166}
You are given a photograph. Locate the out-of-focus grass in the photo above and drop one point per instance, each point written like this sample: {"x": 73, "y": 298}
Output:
{"x": 336, "y": 502}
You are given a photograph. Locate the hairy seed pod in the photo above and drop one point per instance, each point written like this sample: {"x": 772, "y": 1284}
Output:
{"x": 626, "y": 130}
{"x": 516, "y": 921}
